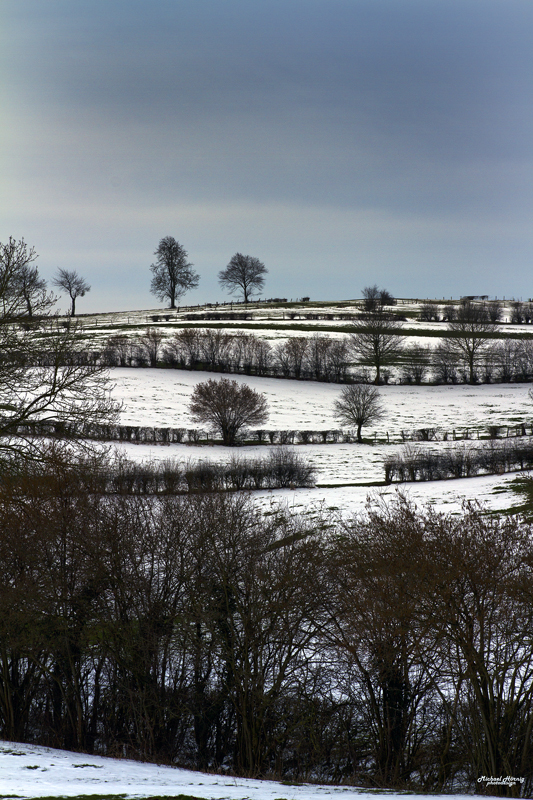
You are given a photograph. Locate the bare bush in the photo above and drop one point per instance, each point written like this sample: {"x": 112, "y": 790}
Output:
{"x": 228, "y": 407}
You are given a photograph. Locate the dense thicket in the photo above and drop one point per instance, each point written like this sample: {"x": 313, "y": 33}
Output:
{"x": 392, "y": 650}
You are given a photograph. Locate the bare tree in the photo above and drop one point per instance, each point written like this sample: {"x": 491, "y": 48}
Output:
{"x": 429, "y": 312}
{"x": 386, "y": 298}
{"x": 73, "y": 284}
{"x": 119, "y": 351}
{"x": 449, "y": 312}
{"x": 371, "y": 297}
{"x": 445, "y": 363}
{"x": 173, "y": 274}
{"x": 216, "y": 348}
{"x": 290, "y": 355}
{"x": 228, "y": 407}
{"x": 317, "y": 355}
{"x": 375, "y": 298}
{"x": 33, "y": 291}
{"x": 149, "y": 344}
{"x": 42, "y": 377}
{"x": 416, "y": 363}
{"x": 494, "y": 311}
{"x": 22, "y": 290}
{"x": 377, "y": 342}
{"x": 358, "y": 405}
{"x": 480, "y": 609}
{"x": 374, "y": 608}
{"x": 469, "y": 335}
{"x": 243, "y": 274}
{"x": 44, "y": 380}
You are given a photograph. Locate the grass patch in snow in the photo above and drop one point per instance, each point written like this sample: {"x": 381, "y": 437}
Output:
{"x": 522, "y": 486}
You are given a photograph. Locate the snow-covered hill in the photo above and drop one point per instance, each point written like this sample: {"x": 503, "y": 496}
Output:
{"x": 34, "y": 772}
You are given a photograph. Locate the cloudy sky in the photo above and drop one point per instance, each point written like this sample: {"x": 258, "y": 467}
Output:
{"x": 342, "y": 142}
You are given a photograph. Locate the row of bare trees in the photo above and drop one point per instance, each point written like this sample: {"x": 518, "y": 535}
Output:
{"x": 464, "y": 460}
{"x": 469, "y": 352}
{"x": 23, "y": 291}
{"x": 279, "y": 468}
{"x": 317, "y": 357}
{"x": 391, "y": 650}
{"x": 520, "y": 313}
{"x": 493, "y": 361}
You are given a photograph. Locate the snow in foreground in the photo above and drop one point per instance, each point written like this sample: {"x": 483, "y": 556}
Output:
{"x": 31, "y": 771}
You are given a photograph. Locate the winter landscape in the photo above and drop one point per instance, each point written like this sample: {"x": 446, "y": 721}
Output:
{"x": 433, "y": 441}
{"x": 266, "y": 399}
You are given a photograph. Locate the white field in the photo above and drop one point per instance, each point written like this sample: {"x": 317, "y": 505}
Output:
{"x": 161, "y": 398}
{"x": 31, "y": 772}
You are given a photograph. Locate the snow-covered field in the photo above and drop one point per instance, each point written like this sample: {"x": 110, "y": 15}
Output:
{"x": 161, "y": 397}
{"x": 34, "y": 772}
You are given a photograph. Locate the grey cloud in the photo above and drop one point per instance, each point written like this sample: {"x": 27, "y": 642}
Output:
{"x": 410, "y": 110}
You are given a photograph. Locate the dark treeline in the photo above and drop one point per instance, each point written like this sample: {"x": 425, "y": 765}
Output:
{"x": 281, "y": 468}
{"x": 315, "y": 358}
{"x": 318, "y": 357}
{"x": 391, "y": 650}
{"x": 417, "y": 463}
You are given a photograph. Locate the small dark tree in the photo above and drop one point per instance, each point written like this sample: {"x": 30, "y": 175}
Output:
{"x": 243, "y": 274}
{"x": 469, "y": 335}
{"x": 386, "y": 298}
{"x": 149, "y": 345}
{"x": 375, "y": 298}
{"x": 173, "y": 274}
{"x": 494, "y": 311}
{"x": 429, "y": 312}
{"x": 358, "y": 405}
{"x": 416, "y": 363}
{"x": 22, "y": 290}
{"x": 517, "y": 313}
{"x": 377, "y": 342}
{"x": 227, "y": 407}
{"x": 371, "y": 297}
{"x": 73, "y": 284}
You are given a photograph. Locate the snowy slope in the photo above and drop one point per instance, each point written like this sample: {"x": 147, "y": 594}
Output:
{"x": 161, "y": 397}
{"x": 31, "y": 772}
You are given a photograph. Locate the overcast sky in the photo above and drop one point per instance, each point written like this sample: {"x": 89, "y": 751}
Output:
{"x": 342, "y": 142}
